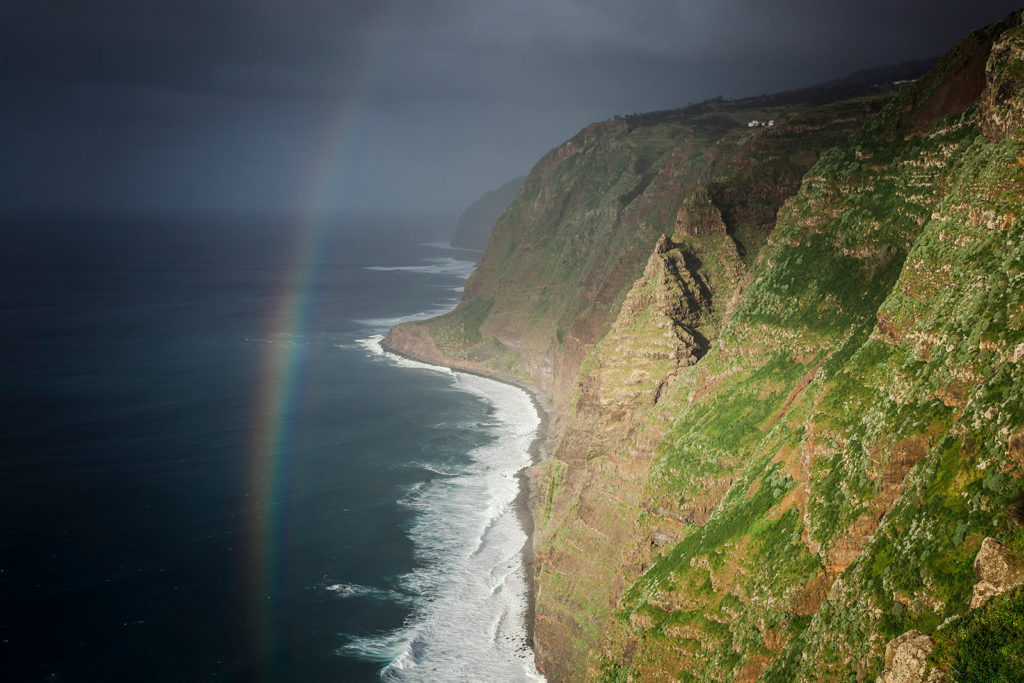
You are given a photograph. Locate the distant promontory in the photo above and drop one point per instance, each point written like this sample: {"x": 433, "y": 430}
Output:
{"x": 476, "y": 222}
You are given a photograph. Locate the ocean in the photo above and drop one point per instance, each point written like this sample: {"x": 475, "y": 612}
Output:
{"x": 212, "y": 472}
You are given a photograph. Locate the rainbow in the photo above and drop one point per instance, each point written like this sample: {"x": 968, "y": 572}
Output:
{"x": 269, "y": 459}
{"x": 277, "y": 393}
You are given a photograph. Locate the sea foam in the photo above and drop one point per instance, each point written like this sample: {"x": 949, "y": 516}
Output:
{"x": 469, "y": 618}
{"x": 388, "y": 323}
{"x": 445, "y": 265}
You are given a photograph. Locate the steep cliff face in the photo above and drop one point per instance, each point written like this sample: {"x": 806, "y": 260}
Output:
{"x": 834, "y": 461}
{"x": 548, "y": 285}
{"x": 564, "y": 254}
{"x": 592, "y": 491}
{"x": 477, "y": 221}
{"x": 788, "y": 423}
{"x": 598, "y": 524}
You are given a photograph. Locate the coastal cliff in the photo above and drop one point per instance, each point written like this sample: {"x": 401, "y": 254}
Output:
{"x": 787, "y": 369}
{"x": 565, "y": 253}
{"x": 475, "y": 223}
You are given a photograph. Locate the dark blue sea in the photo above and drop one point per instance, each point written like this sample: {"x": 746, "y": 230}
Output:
{"x": 209, "y": 470}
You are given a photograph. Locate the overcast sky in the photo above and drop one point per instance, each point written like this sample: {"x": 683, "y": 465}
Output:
{"x": 397, "y": 105}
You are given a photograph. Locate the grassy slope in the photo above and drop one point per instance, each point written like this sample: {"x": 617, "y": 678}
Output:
{"x": 591, "y": 526}
{"x": 872, "y": 373}
{"x": 562, "y": 257}
{"x": 985, "y": 646}
{"x": 820, "y": 481}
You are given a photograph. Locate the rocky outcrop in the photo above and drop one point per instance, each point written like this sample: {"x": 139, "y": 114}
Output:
{"x": 594, "y": 493}
{"x": 1002, "y": 102}
{"x": 997, "y": 571}
{"x": 906, "y": 660}
{"x": 414, "y": 342}
{"x": 699, "y": 217}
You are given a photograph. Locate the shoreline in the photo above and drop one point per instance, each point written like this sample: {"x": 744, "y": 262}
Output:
{"x": 540, "y": 449}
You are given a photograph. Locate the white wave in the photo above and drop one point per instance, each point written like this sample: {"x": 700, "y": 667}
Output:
{"x": 441, "y": 266}
{"x": 468, "y": 622}
{"x": 388, "y": 323}
{"x": 283, "y": 340}
{"x": 372, "y": 345}
{"x": 386, "y": 649}
{"x": 447, "y": 265}
{"x": 412, "y": 495}
{"x": 448, "y": 245}
{"x": 436, "y": 470}
{"x": 355, "y": 590}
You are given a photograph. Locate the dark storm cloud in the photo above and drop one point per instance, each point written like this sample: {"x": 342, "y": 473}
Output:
{"x": 254, "y": 47}
{"x": 312, "y": 48}
{"x": 227, "y": 102}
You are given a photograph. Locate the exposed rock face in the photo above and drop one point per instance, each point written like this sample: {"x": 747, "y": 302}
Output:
{"x": 1002, "y": 102}
{"x": 665, "y": 325}
{"x": 415, "y": 342}
{"x": 906, "y": 660}
{"x": 657, "y": 322}
{"x": 846, "y": 548}
{"x": 997, "y": 572}
{"x": 698, "y": 216}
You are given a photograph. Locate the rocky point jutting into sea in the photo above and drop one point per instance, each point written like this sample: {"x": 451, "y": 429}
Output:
{"x": 786, "y": 369}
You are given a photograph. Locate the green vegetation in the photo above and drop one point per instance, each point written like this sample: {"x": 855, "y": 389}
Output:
{"x": 782, "y": 446}
{"x": 870, "y": 353}
{"x": 566, "y": 251}
{"x": 987, "y": 645}
{"x": 450, "y": 330}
